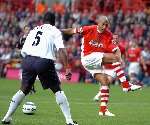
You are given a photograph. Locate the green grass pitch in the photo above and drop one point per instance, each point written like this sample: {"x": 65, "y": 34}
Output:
{"x": 130, "y": 108}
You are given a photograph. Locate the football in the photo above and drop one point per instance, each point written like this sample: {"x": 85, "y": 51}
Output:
{"x": 29, "y": 108}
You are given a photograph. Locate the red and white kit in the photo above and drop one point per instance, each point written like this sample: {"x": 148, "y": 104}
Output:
{"x": 94, "y": 45}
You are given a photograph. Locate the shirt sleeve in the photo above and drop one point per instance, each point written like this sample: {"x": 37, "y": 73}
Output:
{"x": 83, "y": 30}
{"x": 58, "y": 40}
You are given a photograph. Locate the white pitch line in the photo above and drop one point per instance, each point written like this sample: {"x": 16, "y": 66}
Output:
{"x": 95, "y": 103}
{"x": 80, "y": 102}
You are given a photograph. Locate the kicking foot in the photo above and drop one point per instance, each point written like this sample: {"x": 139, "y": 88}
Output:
{"x": 6, "y": 120}
{"x": 74, "y": 123}
{"x": 133, "y": 87}
{"x": 107, "y": 113}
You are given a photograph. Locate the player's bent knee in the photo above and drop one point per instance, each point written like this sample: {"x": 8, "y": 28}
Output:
{"x": 110, "y": 58}
{"x": 60, "y": 97}
{"x": 55, "y": 89}
{"x": 102, "y": 78}
{"x": 25, "y": 88}
{"x": 115, "y": 58}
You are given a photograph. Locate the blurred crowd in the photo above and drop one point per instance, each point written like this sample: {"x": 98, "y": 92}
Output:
{"x": 132, "y": 26}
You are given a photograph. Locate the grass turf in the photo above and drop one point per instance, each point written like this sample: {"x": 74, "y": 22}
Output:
{"x": 130, "y": 108}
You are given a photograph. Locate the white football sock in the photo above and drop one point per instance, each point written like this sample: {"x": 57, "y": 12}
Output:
{"x": 16, "y": 100}
{"x": 62, "y": 101}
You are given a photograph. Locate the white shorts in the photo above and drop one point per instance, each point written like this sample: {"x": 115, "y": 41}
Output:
{"x": 134, "y": 68}
{"x": 92, "y": 63}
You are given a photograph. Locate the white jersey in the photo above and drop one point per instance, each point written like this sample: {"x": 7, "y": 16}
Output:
{"x": 43, "y": 41}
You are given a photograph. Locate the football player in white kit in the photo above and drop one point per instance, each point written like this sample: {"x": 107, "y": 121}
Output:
{"x": 39, "y": 52}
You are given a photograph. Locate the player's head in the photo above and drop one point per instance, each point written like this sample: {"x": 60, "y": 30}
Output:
{"x": 115, "y": 39}
{"x": 132, "y": 44}
{"x": 26, "y": 29}
{"x": 103, "y": 23}
{"x": 49, "y": 17}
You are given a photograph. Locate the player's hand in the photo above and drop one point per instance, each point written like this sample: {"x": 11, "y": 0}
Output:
{"x": 68, "y": 74}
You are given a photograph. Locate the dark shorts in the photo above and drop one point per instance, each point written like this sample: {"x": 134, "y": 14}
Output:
{"x": 43, "y": 68}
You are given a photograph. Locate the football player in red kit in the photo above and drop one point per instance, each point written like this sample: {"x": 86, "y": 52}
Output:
{"x": 98, "y": 49}
{"x": 108, "y": 68}
{"x": 133, "y": 57}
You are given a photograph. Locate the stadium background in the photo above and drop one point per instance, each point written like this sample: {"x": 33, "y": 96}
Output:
{"x": 130, "y": 19}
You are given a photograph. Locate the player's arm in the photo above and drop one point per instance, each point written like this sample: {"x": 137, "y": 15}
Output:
{"x": 21, "y": 42}
{"x": 62, "y": 53}
{"x": 61, "y": 50}
{"x": 69, "y": 31}
{"x": 81, "y": 30}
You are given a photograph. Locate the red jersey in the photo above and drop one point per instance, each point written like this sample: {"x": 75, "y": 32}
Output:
{"x": 133, "y": 54}
{"x": 94, "y": 41}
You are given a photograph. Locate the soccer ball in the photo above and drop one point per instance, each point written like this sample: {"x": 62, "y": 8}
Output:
{"x": 29, "y": 108}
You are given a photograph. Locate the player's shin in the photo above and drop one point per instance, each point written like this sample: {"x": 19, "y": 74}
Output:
{"x": 121, "y": 75}
{"x": 16, "y": 100}
{"x": 104, "y": 90}
{"x": 62, "y": 101}
{"x": 103, "y": 111}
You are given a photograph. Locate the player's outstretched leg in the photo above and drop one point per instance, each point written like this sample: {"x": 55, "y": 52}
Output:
{"x": 104, "y": 94}
{"x": 62, "y": 101}
{"x": 126, "y": 86}
{"x": 16, "y": 100}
